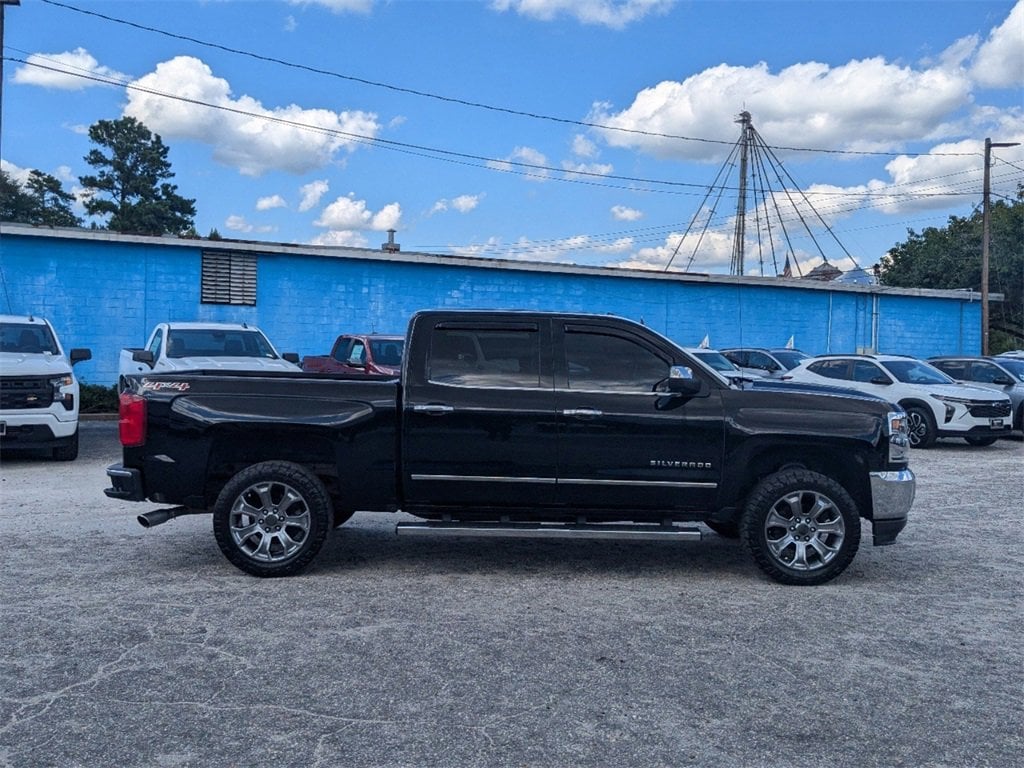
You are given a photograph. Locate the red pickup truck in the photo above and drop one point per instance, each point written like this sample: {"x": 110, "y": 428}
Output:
{"x": 360, "y": 354}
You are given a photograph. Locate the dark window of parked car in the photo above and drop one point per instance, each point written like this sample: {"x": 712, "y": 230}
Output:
{"x": 790, "y": 358}
{"x": 485, "y": 357}
{"x": 831, "y": 369}
{"x": 955, "y": 368}
{"x": 762, "y": 362}
{"x": 1015, "y": 367}
{"x": 30, "y": 338}
{"x": 599, "y": 361}
{"x": 387, "y": 352}
{"x": 737, "y": 357}
{"x": 916, "y": 372}
{"x": 866, "y": 371}
{"x": 985, "y": 372}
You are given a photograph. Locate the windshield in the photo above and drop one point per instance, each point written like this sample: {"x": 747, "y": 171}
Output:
{"x": 1016, "y": 367}
{"x": 209, "y": 342}
{"x": 717, "y": 361}
{"x": 916, "y": 372}
{"x": 27, "y": 338}
{"x": 790, "y": 358}
{"x": 387, "y": 351}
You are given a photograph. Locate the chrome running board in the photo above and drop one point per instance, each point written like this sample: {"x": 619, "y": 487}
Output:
{"x": 547, "y": 530}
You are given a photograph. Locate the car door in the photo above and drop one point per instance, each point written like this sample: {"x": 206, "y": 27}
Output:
{"x": 479, "y": 423}
{"x": 622, "y": 444}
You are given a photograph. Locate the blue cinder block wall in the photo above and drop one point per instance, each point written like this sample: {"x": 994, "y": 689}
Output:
{"x": 106, "y": 292}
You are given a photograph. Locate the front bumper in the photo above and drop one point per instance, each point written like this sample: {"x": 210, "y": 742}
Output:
{"x": 892, "y": 494}
{"x": 125, "y": 482}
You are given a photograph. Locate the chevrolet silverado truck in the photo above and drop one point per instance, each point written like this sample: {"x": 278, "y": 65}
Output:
{"x": 359, "y": 354}
{"x": 520, "y": 424}
{"x": 39, "y": 394}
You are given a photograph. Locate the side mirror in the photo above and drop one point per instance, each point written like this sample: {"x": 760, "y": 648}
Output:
{"x": 681, "y": 381}
{"x": 1003, "y": 381}
{"x": 80, "y": 354}
{"x": 881, "y": 380}
{"x": 143, "y": 356}
{"x": 291, "y": 357}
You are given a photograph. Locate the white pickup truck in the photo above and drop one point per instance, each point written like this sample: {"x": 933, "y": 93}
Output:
{"x": 175, "y": 347}
{"x": 39, "y": 395}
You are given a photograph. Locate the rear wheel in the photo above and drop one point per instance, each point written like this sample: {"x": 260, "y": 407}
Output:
{"x": 271, "y": 519}
{"x": 801, "y": 527}
{"x": 980, "y": 441}
{"x": 922, "y": 427}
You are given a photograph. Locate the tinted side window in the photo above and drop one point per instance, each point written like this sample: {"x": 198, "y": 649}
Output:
{"x": 485, "y": 357}
{"x": 955, "y": 368}
{"x": 762, "y": 362}
{"x": 985, "y": 372}
{"x": 598, "y": 361}
{"x": 738, "y": 358}
{"x": 157, "y": 345}
{"x": 866, "y": 372}
{"x": 832, "y": 369}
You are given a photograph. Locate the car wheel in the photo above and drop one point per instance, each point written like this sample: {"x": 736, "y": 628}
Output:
{"x": 980, "y": 441}
{"x": 271, "y": 519}
{"x": 68, "y": 450}
{"x": 922, "y": 427}
{"x": 802, "y": 527}
{"x": 729, "y": 530}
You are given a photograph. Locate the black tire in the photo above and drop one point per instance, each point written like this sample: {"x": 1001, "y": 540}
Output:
{"x": 980, "y": 442}
{"x": 730, "y": 530}
{"x": 271, "y": 519}
{"x": 802, "y": 527}
{"x": 68, "y": 450}
{"x": 922, "y": 427}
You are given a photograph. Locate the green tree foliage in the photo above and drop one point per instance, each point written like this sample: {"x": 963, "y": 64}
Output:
{"x": 42, "y": 201}
{"x": 951, "y": 258}
{"x": 131, "y": 184}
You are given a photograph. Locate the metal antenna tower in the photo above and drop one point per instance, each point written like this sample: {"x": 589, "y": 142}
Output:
{"x": 746, "y": 139}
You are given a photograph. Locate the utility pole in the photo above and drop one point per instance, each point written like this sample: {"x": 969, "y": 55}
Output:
{"x": 985, "y": 216}
{"x": 739, "y": 237}
{"x": 2, "y": 4}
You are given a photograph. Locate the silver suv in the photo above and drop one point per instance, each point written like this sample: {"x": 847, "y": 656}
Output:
{"x": 1003, "y": 374}
{"x": 936, "y": 405}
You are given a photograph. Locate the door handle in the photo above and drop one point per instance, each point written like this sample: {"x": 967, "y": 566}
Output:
{"x": 582, "y": 413}
{"x": 435, "y": 409}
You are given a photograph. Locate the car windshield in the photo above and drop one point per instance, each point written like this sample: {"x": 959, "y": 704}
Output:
{"x": 916, "y": 372}
{"x": 387, "y": 351}
{"x": 717, "y": 361}
{"x": 790, "y": 358}
{"x": 210, "y": 342}
{"x": 27, "y": 338}
{"x": 1016, "y": 367}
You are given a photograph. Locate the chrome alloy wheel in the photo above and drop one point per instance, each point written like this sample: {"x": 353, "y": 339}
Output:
{"x": 918, "y": 426}
{"x": 269, "y": 521}
{"x": 804, "y": 530}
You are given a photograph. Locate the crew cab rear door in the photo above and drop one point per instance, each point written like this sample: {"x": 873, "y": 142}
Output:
{"x": 479, "y": 427}
{"x": 622, "y": 444}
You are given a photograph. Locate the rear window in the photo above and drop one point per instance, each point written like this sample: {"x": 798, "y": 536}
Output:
{"x": 471, "y": 357}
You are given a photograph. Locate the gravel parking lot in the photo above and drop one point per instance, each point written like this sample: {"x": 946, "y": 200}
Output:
{"x": 133, "y": 647}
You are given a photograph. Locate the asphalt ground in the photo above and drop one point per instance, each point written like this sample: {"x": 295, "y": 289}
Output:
{"x": 131, "y": 647}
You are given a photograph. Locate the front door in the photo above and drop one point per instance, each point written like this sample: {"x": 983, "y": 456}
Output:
{"x": 622, "y": 444}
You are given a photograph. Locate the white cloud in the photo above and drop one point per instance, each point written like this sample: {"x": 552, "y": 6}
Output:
{"x": 623, "y": 213}
{"x": 71, "y": 64}
{"x": 521, "y": 160}
{"x": 584, "y": 147}
{"x": 867, "y": 104}
{"x": 1000, "y": 60}
{"x": 339, "y": 6}
{"x": 267, "y": 203}
{"x": 16, "y": 172}
{"x": 347, "y": 213}
{"x": 462, "y": 204}
{"x": 590, "y": 169}
{"x": 311, "y": 193}
{"x": 615, "y": 14}
{"x": 341, "y": 237}
{"x": 240, "y": 224}
{"x": 290, "y": 24}
{"x": 243, "y": 133}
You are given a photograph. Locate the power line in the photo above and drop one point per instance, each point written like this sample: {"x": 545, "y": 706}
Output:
{"x": 465, "y": 102}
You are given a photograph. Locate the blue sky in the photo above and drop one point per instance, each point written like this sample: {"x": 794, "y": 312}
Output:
{"x": 574, "y": 131}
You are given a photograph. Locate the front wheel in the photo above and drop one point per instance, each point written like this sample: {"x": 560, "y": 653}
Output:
{"x": 802, "y": 527}
{"x": 922, "y": 427}
{"x": 980, "y": 441}
{"x": 272, "y": 518}
{"x": 68, "y": 449}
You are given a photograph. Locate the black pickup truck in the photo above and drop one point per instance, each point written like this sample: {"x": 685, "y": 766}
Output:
{"x": 520, "y": 424}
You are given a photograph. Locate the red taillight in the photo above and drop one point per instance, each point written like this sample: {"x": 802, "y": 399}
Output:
{"x": 132, "y": 422}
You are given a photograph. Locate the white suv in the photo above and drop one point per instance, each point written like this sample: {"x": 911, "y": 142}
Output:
{"x": 38, "y": 392}
{"x": 936, "y": 405}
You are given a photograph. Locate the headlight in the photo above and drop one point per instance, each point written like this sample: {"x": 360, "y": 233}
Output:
{"x": 948, "y": 399}
{"x": 64, "y": 398}
{"x": 899, "y": 436}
